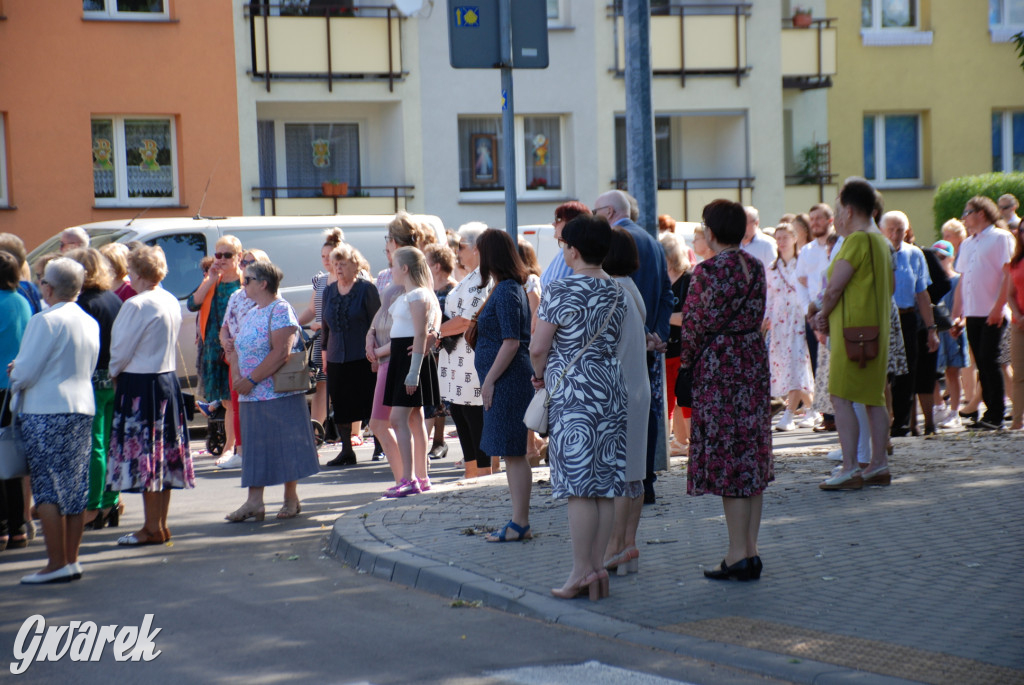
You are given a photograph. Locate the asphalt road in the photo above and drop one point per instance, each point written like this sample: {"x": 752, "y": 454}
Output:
{"x": 263, "y": 603}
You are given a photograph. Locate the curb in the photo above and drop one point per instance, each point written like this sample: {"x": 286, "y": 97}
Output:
{"x": 360, "y": 539}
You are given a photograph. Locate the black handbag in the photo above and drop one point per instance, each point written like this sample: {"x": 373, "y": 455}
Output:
{"x": 941, "y": 316}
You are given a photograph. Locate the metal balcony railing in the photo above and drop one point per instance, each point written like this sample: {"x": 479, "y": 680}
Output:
{"x": 361, "y": 199}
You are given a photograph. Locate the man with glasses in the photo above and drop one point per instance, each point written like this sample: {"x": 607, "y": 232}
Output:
{"x": 1008, "y": 208}
{"x": 73, "y": 238}
{"x": 652, "y": 281}
{"x": 979, "y": 305}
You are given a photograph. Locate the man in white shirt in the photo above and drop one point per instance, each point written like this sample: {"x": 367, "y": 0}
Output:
{"x": 1008, "y": 208}
{"x": 755, "y": 242}
{"x": 980, "y": 301}
{"x": 811, "y": 265}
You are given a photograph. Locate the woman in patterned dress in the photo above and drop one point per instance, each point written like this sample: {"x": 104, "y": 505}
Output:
{"x": 730, "y": 439}
{"x": 210, "y": 299}
{"x": 587, "y": 413}
{"x": 149, "y": 450}
{"x": 788, "y": 357}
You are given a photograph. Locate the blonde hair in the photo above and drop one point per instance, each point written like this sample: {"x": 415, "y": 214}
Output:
{"x": 98, "y": 274}
{"x": 675, "y": 252}
{"x": 149, "y": 262}
{"x": 407, "y": 232}
{"x": 257, "y": 254}
{"x": 231, "y": 240}
{"x": 117, "y": 255}
{"x": 413, "y": 259}
{"x": 349, "y": 254}
{"x": 956, "y": 227}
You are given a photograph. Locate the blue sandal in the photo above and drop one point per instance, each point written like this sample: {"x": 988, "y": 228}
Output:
{"x": 502, "y": 536}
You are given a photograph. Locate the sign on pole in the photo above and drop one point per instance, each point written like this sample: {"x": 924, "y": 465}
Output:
{"x": 474, "y": 38}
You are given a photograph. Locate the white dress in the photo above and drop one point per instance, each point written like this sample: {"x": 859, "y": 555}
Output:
{"x": 788, "y": 358}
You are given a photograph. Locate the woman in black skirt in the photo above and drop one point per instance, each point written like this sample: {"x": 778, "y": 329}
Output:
{"x": 412, "y": 376}
{"x": 349, "y": 305}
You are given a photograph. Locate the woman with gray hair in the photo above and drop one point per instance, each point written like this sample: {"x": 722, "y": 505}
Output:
{"x": 456, "y": 372}
{"x": 275, "y": 424}
{"x": 53, "y": 375}
{"x": 149, "y": 450}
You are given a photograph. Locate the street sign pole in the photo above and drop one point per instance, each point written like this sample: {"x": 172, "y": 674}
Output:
{"x": 508, "y": 120}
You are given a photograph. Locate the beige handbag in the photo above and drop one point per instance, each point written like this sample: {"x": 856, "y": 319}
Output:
{"x": 294, "y": 375}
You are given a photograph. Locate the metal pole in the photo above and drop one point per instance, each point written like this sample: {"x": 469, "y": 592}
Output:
{"x": 508, "y": 128}
{"x": 640, "y": 168}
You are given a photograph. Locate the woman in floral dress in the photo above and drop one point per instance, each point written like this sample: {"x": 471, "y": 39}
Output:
{"x": 730, "y": 438}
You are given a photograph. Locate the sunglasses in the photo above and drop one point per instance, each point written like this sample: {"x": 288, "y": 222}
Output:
{"x": 249, "y": 279}
{"x": 968, "y": 212}
{"x": 247, "y": 262}
{"x": 223, "y": 255}
{"x": 43, "y": 281}
{"x": 1006, "y": 208}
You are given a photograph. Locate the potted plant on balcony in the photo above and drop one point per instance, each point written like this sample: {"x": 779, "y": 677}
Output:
{"x": 802, "y": 17}
{"x": 334, "y": 188}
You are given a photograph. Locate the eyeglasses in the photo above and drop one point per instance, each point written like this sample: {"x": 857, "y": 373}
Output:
{"x": 223, "y": 255}
{"x": 598, "y": 209}
{"x": 1005, "y": 208}
{"x": 968, "y": 212}
{"x": 562, "y": 242}
{"x": 249, "y": 279}
{"x": 43, "y": 281}
{"x": 247, "y": 262}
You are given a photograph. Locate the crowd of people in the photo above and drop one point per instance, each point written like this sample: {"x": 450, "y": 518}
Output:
{"x": 836, "y": 317}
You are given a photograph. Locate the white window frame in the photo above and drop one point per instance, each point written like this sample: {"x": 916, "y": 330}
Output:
{"x": 111, "y": 13}
{"x": 1006, "y": 121}
{"x": 522, "y": 191}
{"x": 121, "y": 198}
{"x": 1003, "y": 31}
{"x": 4, "y": 201}
{"x": 877, "y": 35}
{"x": 562, "y": 20}
{"x": 880, "y": 181}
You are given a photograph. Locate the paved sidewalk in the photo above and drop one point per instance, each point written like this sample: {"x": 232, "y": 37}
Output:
{"x": 919, "y": 581}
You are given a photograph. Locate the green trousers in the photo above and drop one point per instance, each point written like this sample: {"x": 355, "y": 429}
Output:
{"x": 99, "y": 496}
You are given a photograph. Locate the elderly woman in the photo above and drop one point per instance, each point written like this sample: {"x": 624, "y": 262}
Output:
{"x": 441, "y": 261}
{"x": 149, "y": 450}
{"x": 622, "y": 260}
{"x": 116, "y": 255}
{"x": 580, "y": 324}
{"x": 502, "y": 360}
{"x": 730, "y": 437}
{"x": 53, "y": 374}
{"x": 210, "y": 299}
{"x": 275, "y": 425}
{"x": 349, "y": 305}
{"x": 14, "y": 316}
{"x": 859, "y": 293}
{"x": 460, "y": 385}
{"x": 100, "y": 302}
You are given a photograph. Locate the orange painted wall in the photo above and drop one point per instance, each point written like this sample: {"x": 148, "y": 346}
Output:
{"x": 58, "y": 70}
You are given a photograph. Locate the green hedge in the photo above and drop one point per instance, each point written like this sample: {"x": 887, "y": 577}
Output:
{"x": 952, "y": 195}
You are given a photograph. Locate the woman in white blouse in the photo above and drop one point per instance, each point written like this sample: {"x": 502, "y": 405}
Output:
{"x": 149, "y": 451}
{"x": 53, "y": 376}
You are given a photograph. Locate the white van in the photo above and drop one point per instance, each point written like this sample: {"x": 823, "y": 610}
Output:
{"x": 292, "y": 242}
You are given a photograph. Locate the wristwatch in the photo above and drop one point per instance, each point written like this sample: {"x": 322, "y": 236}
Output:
{"x": 933, "y": 327}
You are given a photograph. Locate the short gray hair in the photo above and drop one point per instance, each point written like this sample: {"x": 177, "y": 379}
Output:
{"x": 899, "y": 217}
{"x": 266, "y": 271}
{"x": 77, "y": 234}
{"x": 471, "y": 231}
{"x": 65, "y": 276}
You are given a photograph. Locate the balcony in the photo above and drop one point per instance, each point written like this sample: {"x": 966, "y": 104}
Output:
{"x": 324, "y": 42}
{"x": 300, "y": 201}
{"x": 809, "y": 55}
{"x": 684, "y": 198}
{"x": 692, "y": 40}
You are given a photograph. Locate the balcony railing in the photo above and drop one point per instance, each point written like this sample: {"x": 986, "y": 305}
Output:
{"x": 692, "y": 40}
{"x": 323, "y": 41}
{"x": 808, "y": 55}
{"x": 684, "y": 198}
{"x": 308, "y": 201}
{"x": 803, "y": 192}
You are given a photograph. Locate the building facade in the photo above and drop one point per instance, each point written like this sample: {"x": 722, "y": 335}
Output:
{"x": 109, "y": 108}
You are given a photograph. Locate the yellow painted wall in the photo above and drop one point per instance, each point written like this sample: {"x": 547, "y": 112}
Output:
{"x": 956, "y": 82}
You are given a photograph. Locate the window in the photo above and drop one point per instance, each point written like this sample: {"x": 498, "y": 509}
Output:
{"x": 134, "y": 161}
{"x": 1005, "y": 18}
{"x": 139, "y": 10}
{"x": 315, "y": 153}
{"x": 704, "y": 150}
{"x": 892, "y": 22}
{"x": 538, "y": 157}
{"x": 1008, "y": 141}
{"x": 183, "y": 252}
{"x": 4, "y": 202}
{"x": 892, "y": 149}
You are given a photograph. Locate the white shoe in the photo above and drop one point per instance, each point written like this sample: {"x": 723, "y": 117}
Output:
{"x": 835, "y": 455}
{"x": 76, "y": 570}
{"x": 785, "y": 422}
{"x": 61, "y": 575}
{"x": 808, "y": 421}
{"x": 951, "y": 422}
{"x": 232, "y": 462}
{"x": 942, "y": 414}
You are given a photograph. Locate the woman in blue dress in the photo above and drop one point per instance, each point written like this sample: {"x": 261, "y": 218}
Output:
{"x": 502, "y": 360}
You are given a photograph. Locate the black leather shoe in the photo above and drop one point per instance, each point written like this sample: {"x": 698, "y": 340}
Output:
{"x": 755, "y": 567}
{"x": 738, "y": 571}
{"x": 969, "y": 415}
{"x": 438, "y": 452}
{"x": 347, "y": 458}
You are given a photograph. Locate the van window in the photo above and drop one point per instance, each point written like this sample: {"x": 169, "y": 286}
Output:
{"x": 183, "y": 252}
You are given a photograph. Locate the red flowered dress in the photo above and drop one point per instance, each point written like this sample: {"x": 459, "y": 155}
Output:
{"x": 730, "y": 440}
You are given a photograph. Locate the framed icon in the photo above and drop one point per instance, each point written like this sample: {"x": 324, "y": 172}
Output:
{"x": 483, "y": 150}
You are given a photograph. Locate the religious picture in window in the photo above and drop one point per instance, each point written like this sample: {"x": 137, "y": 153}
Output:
{"x": 484, "y": 150}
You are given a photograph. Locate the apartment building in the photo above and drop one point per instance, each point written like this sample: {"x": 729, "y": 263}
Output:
{"x": 929, "y": 90}
{"x": 109, "y": 108}
{"x": 364, "y": 98}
